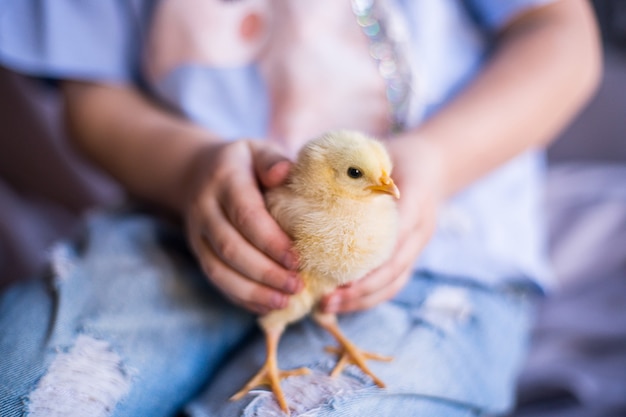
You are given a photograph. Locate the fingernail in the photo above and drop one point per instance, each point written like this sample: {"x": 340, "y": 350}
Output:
{"x": 332, "y": 305}
{"x": 279, "y": 300}
{"x": 294, "y": 284}
{"x": 290, "y": 260}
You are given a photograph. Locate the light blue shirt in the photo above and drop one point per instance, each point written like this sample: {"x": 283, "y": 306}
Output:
{"x": 493, "y": 231}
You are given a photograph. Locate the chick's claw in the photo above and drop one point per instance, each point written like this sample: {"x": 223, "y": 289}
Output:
{"x": 349, "y": 354}
{"x": 271, "y": 376}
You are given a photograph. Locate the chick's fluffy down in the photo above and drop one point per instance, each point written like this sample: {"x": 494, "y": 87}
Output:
{"x": 339, "y": 236}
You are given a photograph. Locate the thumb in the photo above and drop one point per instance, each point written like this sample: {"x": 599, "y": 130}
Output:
{"x": 271, "y": 166}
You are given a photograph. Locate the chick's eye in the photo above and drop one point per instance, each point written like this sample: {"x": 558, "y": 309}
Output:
{"x": 354, "y": 173}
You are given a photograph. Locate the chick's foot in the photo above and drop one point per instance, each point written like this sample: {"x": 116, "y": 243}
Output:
{"x": 348, "y": 352}
{"x": 270, "y": 375}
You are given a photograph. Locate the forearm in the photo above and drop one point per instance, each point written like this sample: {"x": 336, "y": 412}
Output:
{"x": 545, "y": 67}
{"x": 147, "y": 149}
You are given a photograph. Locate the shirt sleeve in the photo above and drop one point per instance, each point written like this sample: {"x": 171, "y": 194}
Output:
{"x": 495, "y": 14}
{"x": 92, "y": 40}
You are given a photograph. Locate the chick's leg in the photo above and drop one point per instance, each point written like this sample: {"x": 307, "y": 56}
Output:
{"x": 348, "y": 352}
{"x": 269, "y": 374}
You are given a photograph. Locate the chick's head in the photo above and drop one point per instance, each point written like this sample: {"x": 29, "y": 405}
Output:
{"x": 345, "y": 164}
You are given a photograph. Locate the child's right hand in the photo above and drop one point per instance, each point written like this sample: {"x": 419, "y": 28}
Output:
{"x": 238, "y": 244}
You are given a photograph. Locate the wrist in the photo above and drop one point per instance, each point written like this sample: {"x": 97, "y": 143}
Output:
{"x": 429, "y": 161}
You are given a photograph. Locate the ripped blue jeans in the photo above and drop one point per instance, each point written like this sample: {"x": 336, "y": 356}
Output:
{"x": 126, "y": 325}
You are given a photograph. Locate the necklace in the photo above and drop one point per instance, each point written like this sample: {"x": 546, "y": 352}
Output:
{"x": 388, "y": 37}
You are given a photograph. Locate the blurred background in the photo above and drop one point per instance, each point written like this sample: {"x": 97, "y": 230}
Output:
{"x": 577, "y": 362}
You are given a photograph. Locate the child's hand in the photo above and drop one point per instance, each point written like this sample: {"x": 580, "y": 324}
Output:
{"x": 239, "y": 245}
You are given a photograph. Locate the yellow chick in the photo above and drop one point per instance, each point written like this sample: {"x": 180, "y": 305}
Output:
{"x": 338, "y": 205}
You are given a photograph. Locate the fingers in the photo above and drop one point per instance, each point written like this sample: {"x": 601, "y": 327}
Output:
{"x": 271, "y": 167}
{"x": 246, "y": 212}
{"x": 228, "y": 244}
{"x": 363, "y": 295}
{"x": 239, "y": 289}
{"x": 240, "y": 247}
{"x": 256, "y": 296}
{"x": 246, "y": 275}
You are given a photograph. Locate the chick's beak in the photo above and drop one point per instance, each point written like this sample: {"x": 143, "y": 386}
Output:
{"x": 386, "y": 185}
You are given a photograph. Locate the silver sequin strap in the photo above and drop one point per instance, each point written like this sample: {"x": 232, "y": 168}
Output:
{"x": 389, "y": 41}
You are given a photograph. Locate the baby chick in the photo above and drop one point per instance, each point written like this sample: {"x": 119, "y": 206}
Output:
{"x": 338, "y": 206}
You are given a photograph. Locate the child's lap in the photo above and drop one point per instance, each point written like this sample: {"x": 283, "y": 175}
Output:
{"x": 130, "y": 287}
